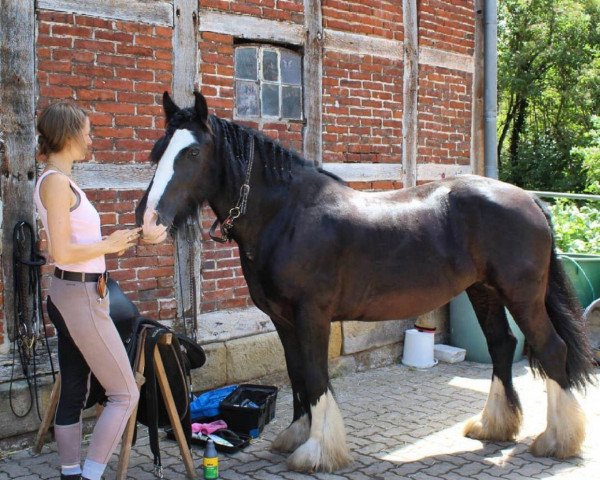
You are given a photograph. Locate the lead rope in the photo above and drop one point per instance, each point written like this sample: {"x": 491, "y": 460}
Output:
{"x": 192, "y": 284}
{"x": 27, "y": 332}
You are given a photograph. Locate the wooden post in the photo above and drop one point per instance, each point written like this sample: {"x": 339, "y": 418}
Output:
{"x": 185, "y": 74}
{"x": 313, "y": 81}
{"x": 410, "y": 93}
{"x": 477, "y": 117}
{"x": 139, "y": 366}
{"x": 17, "y": 131}
{"x": 48, "y": 416}
{"x": 163, "y": 382}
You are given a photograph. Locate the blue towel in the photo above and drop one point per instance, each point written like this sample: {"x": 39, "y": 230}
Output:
{"x": 208, "y": 404}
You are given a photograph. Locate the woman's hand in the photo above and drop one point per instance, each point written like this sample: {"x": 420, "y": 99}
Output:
{"x": 121, "y": 240}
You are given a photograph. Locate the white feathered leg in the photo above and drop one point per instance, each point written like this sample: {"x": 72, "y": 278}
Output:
{"x": 326, "y": 449}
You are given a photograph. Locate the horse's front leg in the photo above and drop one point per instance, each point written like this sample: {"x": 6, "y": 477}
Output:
{"x": 298, "y": 431}
{"x": 326, "y": 448}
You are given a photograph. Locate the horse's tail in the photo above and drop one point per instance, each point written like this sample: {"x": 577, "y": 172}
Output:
{"x": 566, "y": 316}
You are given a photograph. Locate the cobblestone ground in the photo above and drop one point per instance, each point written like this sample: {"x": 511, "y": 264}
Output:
{"x": 401, "y": 423}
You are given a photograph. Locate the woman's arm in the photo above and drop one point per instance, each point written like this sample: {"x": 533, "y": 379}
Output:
{"x": 55, "y": 193}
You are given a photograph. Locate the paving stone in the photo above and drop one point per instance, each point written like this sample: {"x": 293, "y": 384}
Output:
{"x": 401, "y": 423}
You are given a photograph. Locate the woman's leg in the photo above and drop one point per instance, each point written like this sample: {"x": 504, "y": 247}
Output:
{"x": 95, "y": 335}
{"x": 75, "y": 378}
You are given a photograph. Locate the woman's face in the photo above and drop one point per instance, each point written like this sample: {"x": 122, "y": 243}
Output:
{"x": 81, "y": 144}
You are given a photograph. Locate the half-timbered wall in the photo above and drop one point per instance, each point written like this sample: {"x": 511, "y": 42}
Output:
{"x": 377, "y": 75}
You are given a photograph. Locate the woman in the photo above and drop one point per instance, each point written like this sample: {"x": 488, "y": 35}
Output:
{"x": 77, "y": 306}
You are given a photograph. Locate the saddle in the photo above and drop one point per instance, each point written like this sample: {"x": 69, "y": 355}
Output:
{"x": 179, "y": 358}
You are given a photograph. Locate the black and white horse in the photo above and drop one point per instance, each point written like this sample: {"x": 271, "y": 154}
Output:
{"x": 315, "y": 251}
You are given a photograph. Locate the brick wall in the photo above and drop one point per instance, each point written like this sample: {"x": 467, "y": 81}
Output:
{"x": 379, "y": 18}
{"x": 284, "y": 10}
{"x": 447, "y": 25}
{"x": 444, "y": 116}
{"x": 117, "y": 71}
{"x": 445, "y": 96}
{"x": 362, "y": 109}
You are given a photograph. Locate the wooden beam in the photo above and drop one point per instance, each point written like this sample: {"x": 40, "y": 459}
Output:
{"x": 410, "y": 92}
{"x": 313, "y": 81}
{"x": 477, "y": 115}
{"x": 129, "y": 176}
{"x": 17, "y": 130}
{"x": 158, "y": 12}
{"x": 185, "y": 76}
{"x": 252, "y": 28}
{"x": 357, "y": 44}
{"x": 373, "y": 172}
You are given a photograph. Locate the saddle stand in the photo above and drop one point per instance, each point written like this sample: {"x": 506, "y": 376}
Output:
{"x": 139, "y": 368}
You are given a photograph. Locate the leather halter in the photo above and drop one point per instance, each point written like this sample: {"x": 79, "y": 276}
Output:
{"x": 240, "y": 206}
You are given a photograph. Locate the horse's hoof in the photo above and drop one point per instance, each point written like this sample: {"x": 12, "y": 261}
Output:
{"x": 481, "y": 428}
{"x": 547, "y": 445}
{"x": 293, "y": 436}
{"x": 311, "y": 457}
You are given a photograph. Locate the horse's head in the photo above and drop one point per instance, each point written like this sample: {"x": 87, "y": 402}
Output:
{"x": 183, "y": 178}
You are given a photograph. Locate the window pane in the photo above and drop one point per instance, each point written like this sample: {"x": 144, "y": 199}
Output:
{"x": 270, "y": 66}
{"x": 245, "y": 63}
{"x": 270, "y": 99}
{"x": 291, "y": 68}
{"x": 246, "y": 98}
{"x": 291, "y": 102}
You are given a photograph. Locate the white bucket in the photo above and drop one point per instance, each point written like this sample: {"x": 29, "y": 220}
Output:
{"x": 418, "y": 349}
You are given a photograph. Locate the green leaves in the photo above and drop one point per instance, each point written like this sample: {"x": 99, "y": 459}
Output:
{"x": 577, "y": 228}
{"x": 549, "y": 88}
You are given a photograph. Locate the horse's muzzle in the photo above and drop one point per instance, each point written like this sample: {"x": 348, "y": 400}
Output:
{"x": 152, "y": 232}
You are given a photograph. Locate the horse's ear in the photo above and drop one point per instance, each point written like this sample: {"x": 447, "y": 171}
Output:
{"x": 200, "y": 106}
{"x": 169, "y": 106}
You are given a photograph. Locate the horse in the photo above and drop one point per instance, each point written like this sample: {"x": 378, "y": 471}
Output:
{"x": 314, "y": 251}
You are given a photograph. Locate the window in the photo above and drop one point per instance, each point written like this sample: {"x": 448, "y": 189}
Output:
{"x": 268, "y": 83}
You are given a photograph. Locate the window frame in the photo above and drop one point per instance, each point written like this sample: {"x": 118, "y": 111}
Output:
{"x": 260, "y": 81}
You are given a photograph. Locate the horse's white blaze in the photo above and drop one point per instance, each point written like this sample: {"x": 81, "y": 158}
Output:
{"x": 293, "y": 436}
{"x": 326, "y": 448}
{"x": 565, "y": 429}
{"x": 164, "y": 172}
{"x": 154, "y": 233}
{"x": 498, "y": 420}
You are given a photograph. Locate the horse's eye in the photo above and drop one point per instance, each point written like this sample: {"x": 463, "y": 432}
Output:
{"x": 195, "y": 152}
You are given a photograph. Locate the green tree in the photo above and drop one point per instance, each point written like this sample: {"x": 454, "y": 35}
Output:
{"x": 548, "y": 86}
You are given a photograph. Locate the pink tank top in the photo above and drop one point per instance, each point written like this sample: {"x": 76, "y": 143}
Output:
{"x": 85, "y": 226}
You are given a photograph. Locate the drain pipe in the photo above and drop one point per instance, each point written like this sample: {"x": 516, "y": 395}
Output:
{"x": 490, "y": 87}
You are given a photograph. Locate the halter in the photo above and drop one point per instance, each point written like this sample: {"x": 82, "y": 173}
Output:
{"x": 240, "y": 206}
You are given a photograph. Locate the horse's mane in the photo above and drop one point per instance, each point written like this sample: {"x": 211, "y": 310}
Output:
{"x": 232, "y": 143}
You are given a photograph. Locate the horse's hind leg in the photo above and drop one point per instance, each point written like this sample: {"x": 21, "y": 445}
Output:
{"x": 326, "y": 448}
{"x": 565, "y": 430}
{"x": 298, "y": 431}
{"x": 501, "y": 417}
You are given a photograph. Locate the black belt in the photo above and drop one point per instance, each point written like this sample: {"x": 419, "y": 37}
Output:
{"x": 76, "y": 276}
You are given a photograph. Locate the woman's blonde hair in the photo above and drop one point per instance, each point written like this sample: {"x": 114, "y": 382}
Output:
{"x": 58, "y": 123}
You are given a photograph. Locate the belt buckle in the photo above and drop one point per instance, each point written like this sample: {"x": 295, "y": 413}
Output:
{"x": 82, "y": 276}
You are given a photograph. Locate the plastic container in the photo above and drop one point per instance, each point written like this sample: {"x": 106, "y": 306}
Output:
{"x": 448, "y": 353}
{"x": 466, "y": 333}
{"x": 583, "y": 271}
{"x": 249, "y": 408}
{"x": 418, "y": 349}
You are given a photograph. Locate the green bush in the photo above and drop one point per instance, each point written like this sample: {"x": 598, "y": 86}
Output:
{"x": 577, "y": 227}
